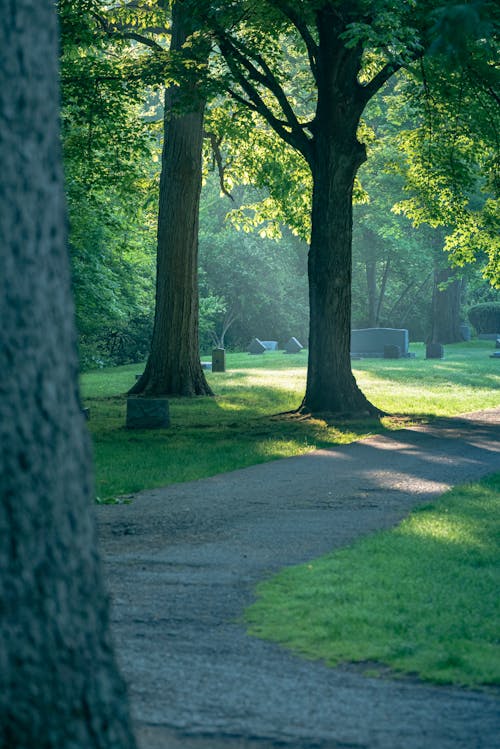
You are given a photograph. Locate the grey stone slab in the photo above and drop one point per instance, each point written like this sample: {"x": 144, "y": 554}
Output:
{"x": 270, "y": 345}
{"x": 371, "y": 341}
{"x": 293, "y": 346}
{"x": 434, "y": 351}
{"x": 391, "y": 351}
{"x": 147, "y": 413}
{"x": 256, "y": 347}
{"x": 218, "y": 360}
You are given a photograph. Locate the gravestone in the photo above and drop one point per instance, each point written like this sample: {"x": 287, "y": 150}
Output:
{"x": 497, "y": 343}
{"x": 147, "y": 413}
{"x": 391, "y": 351}
{"x": 293, "y": 346}
{"x": 434, "y": 351}
{"x": 370, "y": 342}
{"x": 218, "y": 360}
{"x": 495, "y": 355}
{"x": 270, "y": 345}
{"x": 256, "y": 347}
{"x": 465, "y": 331}
{"x": 206, "y": 365}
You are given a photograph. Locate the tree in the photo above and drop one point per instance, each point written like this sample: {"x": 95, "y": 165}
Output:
{"x": 353, "y": 49}
{"x": 59, "y": 682}
{"x": 173, "y": 366}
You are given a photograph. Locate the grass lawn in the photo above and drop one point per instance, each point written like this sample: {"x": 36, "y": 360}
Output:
{"x": 421, "y": 598}
{"x": 234, "y": 429}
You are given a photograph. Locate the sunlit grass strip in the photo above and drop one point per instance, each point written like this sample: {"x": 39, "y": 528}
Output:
{"x": 421, "y": 598}
{"x": 234, "y": 429}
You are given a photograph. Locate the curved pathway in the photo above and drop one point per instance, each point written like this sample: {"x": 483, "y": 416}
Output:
{"x": 181, "y": 565}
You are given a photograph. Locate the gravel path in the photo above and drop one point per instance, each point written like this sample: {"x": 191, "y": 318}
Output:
{"x": 181, "y": 565}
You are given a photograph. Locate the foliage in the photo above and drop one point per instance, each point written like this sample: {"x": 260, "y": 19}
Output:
{"x": 109, "y": 185}
{"x": 451, "y": 152}
{"x": 485, "y": 317}
{"x": 259, "y": 282}
{"x": 420, "y": 598}
{"x": 235, "y": 429}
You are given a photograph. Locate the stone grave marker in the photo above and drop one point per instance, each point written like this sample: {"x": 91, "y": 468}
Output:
{"x": 270, "y": 345}
{"x": 434, "y": 351}
{"x": 293, "y": 346}
{"x": 370, "y": 342}
{"x": 256, "y": 347}
{"x": 391, "y": 351}
{"x": 147, "y": 413}
{"x": 218, "y": 360}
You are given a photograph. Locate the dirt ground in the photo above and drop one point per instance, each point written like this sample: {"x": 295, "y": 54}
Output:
{"x": 181, "y": 565}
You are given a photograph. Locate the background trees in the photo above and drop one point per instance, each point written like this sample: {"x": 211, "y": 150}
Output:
{"x": 390, "y": 283}
{"x": 59, "y": 682}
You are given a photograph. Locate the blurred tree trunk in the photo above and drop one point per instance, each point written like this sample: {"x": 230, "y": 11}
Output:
{"x": 59, "y": 686}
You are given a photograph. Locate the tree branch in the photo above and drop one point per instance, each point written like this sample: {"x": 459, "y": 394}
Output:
{"x": 236, "y": 60}
{"x": 215, "y": 143}
{"x": 300, "y": 24}
{"x": 124, "y": 32}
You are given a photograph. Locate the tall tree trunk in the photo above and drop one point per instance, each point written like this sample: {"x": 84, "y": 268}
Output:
{"x": 335, "y": 156}
{"x": 59, "y": 686}
{"x": 371, "y": 287}
{"x": 331, "y": 386}
{"x": 173, "y": 366}
{"x": 446, "y": 307}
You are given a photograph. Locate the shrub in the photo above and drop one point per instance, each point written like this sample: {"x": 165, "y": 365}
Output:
{"x": 485, "y": 317}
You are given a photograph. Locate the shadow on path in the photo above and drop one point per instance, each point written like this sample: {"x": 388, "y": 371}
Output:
{"x": 182, "y": 563}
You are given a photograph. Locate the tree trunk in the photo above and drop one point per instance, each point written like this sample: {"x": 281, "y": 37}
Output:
{"x": 173, "y": 366}
{"x": 371, "y": 287}
{"x": 331, "y": 386}
{"x": 446, "y": 307}
{"x": 335, "y": 156}
{"x": 59, "y": 686}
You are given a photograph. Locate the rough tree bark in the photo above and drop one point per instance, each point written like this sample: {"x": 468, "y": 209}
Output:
{"x": 59, "y": 686}
{"x": 173, "y": 366}
{"x": 330, "y": 146}
{"x": 335, "y": 156}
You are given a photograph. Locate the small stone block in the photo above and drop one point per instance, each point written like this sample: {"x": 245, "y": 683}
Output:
{"x": 86, "y": 413}
{"x": 293, "y": 346}
{"x": 391, "y": 351}
{"x": 495, "y": 355}
{"x": 497, "y": 343}
{"x": 256, "y": 347}
{"x": 147, "y": 413}
{"x": 434, "y": 351}
{"x": 218, "y": 360}
{"x": 206, "y": 365}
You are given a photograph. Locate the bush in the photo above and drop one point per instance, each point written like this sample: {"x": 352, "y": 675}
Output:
{"x": 485, "y": 317}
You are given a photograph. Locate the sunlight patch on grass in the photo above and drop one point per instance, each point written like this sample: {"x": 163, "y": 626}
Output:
{"x": 250, "y": 394}
{"x": 421, "y": 598}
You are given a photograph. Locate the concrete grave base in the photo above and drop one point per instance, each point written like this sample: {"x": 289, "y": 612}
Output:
{"x": 147, "y": 413}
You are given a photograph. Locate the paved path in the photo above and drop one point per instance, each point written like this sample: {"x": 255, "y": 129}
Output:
{"x": 182, "y": 562}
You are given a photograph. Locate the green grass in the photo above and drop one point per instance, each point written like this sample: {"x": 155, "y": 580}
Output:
{"x": 234, "y": 429}
{"x": 421, "y": 599}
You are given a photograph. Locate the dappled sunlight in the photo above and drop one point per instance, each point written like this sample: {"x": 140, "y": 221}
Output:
{"x": 438, "y": 528}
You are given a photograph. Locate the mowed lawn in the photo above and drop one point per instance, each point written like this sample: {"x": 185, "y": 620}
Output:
{"x": 240, "y": 426}
{"x": 420, "y": 599}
